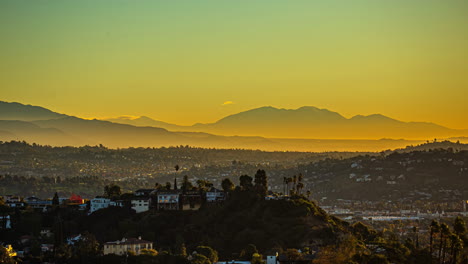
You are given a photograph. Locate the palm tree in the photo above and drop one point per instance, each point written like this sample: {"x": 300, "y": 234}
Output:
{"x": 444, "y": 233}
{"x": 284, "y": 185}
{"x": 459, "y": 227}
{"x": 176, "y": 167}
{"x": 299, "y": 187}
{"x": 416, "y": 235}
{"x": 435, "y": 228}
{"x": 300, "y": 177}
{"x": 290, "y": 180}
{"x": 456, "y": 246}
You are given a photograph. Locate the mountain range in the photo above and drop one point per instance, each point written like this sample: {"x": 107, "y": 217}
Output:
{"x": 265, "y": 128}
{"x": 308, "y": 123}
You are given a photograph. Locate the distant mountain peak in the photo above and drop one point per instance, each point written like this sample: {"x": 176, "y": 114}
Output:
{"x": 313, "y": 108}
{"x": 372, "y": 117}
{"x": 146, "y": 118}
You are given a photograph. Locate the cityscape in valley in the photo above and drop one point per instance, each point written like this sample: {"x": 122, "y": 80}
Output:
{"x": 202, "y": 132}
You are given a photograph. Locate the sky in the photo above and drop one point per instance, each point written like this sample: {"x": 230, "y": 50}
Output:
{"x": 191, "y": 61}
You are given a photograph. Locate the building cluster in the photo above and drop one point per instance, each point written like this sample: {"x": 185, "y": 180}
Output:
{"x": 141, "y": 200}
{"x": 123, "y": 246}
{"x": 34, "y": 202}
{"x": 351, "y": 210}
{"x": 145, "y": 199}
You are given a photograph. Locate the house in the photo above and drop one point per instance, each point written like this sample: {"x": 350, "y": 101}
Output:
{"x": 47, "y": 247}
{"x": 140, "y": 204}
{"x": 5, "y": 222}
{"x": 73, "y": 239}
{"x": 168, "y": 200}
{"x": 215, "y": 195}
{"x": 47, "y": 233}
{"x": 276, "y": 197}
{"x": 76, "y": 200}
{"x": 118, "y": 203}
{"x": 14, "y": 201}
{"x": 121, "y": 247}
{"x": 99, "y": 203}
{"x": 272, "y": 259}
{"x": 305, "y": 259}
{"x": 35, "y": 202}
{"x": 234, "y": 262}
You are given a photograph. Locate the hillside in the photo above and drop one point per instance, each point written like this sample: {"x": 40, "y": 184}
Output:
{"x": 145, "y": 121}
{"x": 17, "y": 111}
{"x": 432, "y": 172}
{"x": 244, "y": 219}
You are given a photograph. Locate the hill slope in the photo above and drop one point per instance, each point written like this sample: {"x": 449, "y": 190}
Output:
{"x": 17, "y": 111}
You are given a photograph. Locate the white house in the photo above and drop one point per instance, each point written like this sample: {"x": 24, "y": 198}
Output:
{"x": 271, "y": 260}
{"x": 119, "y": 203}
{"x": 5, "y": 222}
{"x": 141, "y": 204}
{"x": 99, "y": 203}
{"x": 215, "y": 195}
{"x": 121, "y": 247}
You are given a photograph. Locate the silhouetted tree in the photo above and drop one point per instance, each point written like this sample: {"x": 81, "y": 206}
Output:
{"x": 456, "y": 247}
{"x": 444, "y": 233}
{"x": 87, "y": 248}
{"x": 261, "y": 182}
{"x": 434, "y": 229}
{"x": 55, "y": 200}
{"x": 186, "y": 184}
{"x": 112, "y": 191}
{"x": 227, "y": 185}
{"x": 204, "y": 185}
{"x": 176, "y": 167}
{"x": 247, "y": 253}
{"x": 459, "y": 226}
{"x": 208, "y": 252}
{"x": 285, "y": 181}
{"x": 299, "y": 187}
{"x": 245, "y": 182}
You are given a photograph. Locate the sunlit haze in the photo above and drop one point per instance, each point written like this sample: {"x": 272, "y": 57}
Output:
{"x": 185, "y": 62}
